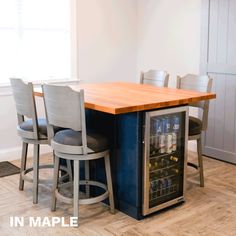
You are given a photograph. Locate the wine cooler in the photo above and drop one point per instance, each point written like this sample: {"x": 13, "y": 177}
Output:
{"x": 164, "y": 158}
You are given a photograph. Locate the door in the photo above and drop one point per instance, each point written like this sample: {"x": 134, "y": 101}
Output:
{"x": 219, "y": 62}
{"x": 165, "y": 140}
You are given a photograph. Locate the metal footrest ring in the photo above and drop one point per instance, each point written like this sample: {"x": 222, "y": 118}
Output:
{"x": 42, "y": 181}
{"x": 193, "y": 165}
{"x": 84, "y": 201}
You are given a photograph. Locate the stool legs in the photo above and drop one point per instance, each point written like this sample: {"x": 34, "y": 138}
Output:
{"x": 87, "y": 176}
{"x": 69, "y": 169}
{"x": 76, "y": 189}
{"x": 35, "y": 173}
{"x": 23, "y": 164}
{"x": 200, "y": 161}
{"x": 76, "y": 181}
{"x": 55, "y": 182}
{"x": 109, "y": 183}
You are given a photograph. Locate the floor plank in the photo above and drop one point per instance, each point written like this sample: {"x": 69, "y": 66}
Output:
{"x": 207, "y": 211}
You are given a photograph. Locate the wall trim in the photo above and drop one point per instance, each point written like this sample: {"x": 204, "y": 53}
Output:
{"x": 15, "y": 153}
{"x": 205, "y": 21}
{"x": 5, "y": 90}
{"x": 205, "y": 9}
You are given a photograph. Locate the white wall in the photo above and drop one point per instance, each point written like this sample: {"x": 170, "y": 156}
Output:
{"x": 169, "y": 36}
{"x": 8, "y": 123}
{"x": 117, "y": 39}
{"x": 107, "y": 52}
{"x": 107, "y": 40}
{"x": 10, "y": 143}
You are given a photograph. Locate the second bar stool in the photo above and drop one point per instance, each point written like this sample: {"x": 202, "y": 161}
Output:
{"x": 65, "y": 108}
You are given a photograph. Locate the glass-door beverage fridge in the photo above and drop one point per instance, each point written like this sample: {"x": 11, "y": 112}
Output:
{"x": 164, "y": 158}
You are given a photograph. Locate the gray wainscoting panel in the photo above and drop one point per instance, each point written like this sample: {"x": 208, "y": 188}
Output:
{"x": 220, "y": 137}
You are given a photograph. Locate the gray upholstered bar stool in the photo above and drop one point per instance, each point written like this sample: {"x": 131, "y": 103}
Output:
{"x": 32, "y": 131}
{"x": 65, "y": 108}
{"x": 196, "y": 124}
{"x": 155, "y": 77}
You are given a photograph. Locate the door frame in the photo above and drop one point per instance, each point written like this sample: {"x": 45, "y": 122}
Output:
{"x": 205, "y": 15}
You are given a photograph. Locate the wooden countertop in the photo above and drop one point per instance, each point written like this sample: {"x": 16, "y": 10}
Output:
{"x": 120, "y": 97}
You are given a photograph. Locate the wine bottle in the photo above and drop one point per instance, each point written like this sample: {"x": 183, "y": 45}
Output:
{"x": 173, "y": 158}
{"x": 156, "y": 175}
{"x": 155, "y": 165}
{"x": 163, "y": 163}
{"x": 150, "y": 166}
{"x": 152, "y": 177}
{"x": 175, "y": 171}
{"x": 152, "y": 150}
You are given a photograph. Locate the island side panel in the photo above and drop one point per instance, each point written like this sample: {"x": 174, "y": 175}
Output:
{"x": 125, "y": 135}
{"x": 128, "y": 155}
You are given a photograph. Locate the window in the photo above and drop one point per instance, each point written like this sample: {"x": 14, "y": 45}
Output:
{"x": 35, "y": 39}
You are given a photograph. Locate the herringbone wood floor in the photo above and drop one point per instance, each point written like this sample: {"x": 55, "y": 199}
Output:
{"x": 207, "y": 211}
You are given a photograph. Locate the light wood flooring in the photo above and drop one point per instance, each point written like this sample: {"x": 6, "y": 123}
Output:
{"x": 209, "y": 211}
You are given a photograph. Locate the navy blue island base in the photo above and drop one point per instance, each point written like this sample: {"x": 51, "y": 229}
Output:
{"x": 125, "y": 135}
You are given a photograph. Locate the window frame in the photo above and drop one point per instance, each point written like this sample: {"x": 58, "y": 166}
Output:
{"x": 74, "y": 75}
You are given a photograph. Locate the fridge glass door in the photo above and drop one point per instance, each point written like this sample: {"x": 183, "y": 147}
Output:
{"x": 165, "y": 143}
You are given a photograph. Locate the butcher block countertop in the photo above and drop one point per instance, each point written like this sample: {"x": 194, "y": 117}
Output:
{"x": 120, "y": 97}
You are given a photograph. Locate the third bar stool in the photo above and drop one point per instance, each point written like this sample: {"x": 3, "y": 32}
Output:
{"x": 196, "y": 124}
{"x": 158, "y": 78}
{"x": 65, "y": 108}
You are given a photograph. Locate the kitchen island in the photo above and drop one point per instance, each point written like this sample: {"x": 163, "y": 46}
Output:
{"x": 118, "y": 110}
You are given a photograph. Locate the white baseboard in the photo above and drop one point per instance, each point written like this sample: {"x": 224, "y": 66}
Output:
{"x": 15, "y": 153}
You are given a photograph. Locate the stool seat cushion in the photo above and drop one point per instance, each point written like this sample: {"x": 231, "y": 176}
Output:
{"x": 28, "y": 126}
{"x": 42, "y": 125}
{"x": 96, "y": 142}
{"x": 195, "y": 126}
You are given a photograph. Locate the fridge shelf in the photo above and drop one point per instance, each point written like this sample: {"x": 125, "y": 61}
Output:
{"x": 170, "y": 190}
{"x": 157, "y": 135}
{"x": 163, "y": 168}
{"x": 164, "y": 177}
{"x": 163, "y": 155}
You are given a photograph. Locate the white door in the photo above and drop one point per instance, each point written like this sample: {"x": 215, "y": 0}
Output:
{"x": 219, "y": 61}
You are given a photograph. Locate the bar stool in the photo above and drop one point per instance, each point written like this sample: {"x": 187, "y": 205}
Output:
{"x": 196, "y": 124}
{"x": 158, "y": 78}
{"x": 65, "y": 108}
{"x": 32, "y": 131}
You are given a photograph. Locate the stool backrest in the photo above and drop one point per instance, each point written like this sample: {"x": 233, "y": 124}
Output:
{"x": 64, "y": 108}
{"x": 200, "y": 84}
{"x": 25, "y": 102}
{"x": 155, "y": 77}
